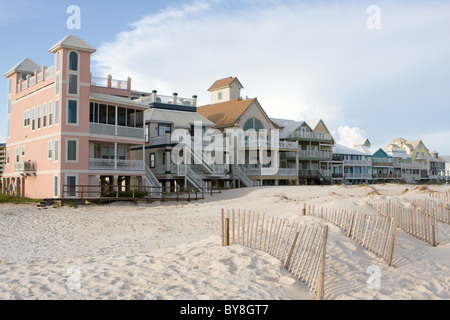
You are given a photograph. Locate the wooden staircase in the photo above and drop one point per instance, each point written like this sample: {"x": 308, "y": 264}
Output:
{"x": 45, "y": 203}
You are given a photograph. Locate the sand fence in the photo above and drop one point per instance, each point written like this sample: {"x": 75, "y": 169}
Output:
{"x": 300, "y": 247}
{"x": 376, "y": 234}
{"x": 417, "y": 221}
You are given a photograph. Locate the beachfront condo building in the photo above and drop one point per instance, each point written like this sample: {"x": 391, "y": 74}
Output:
{"x": 67, "y": 129}
{"x": 315, "y": 144}
{"x": 254, "y": 159}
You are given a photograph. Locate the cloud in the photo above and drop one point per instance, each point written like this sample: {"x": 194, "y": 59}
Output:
{"x": 301, "y": 59}
{"x": 349, "y": 135}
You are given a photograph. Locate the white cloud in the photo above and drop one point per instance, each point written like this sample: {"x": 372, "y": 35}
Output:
{"x": 349, "y": 135}
{"x": 303, "y": 60}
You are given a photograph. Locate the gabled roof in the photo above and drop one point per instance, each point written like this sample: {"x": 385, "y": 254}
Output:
{"x": 224, "y": 83}
{"x": 179, "y": 119}
{"x": 397, "y": 152}
{"x": 24, "y": 66}
{"x": 225, "y": 114}
{"x": 73, "y": 42}
{"x": 288, "y": 126}
{"x": 341, "y": 149}
{"x": 362, "y": 142}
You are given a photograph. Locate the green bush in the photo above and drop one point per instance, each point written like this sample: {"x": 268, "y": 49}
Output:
{"x": 14, "y": 199}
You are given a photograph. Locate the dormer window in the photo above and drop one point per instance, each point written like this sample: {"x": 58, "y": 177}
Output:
{"x": 73, "y": 61}
{"x": 219, "y": 96}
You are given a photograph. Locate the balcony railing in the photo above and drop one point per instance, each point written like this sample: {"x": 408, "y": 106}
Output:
{"x": 39, "y": 76}
{"x": 25, "y": 167}
{"x": 111, "y": 83}
{"x": 310, "y": 136}
{"x": 174, "y": 99}
{"x": 357, "y": 162}
{"x": 357, "y": 175}
{"x": 381, "y": 164}
{"x": 285, "y": 172}
{"x": 114, "y": 130}
{"x": 116, "y": 165}
{"x": 387, "y": 176}
{"x": 315, "y": 154}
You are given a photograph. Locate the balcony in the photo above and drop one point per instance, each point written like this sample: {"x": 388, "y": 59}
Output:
{"x": 387, "y": 176}
{"x": 314, "y": 136}
{"x": 111, "y": 83}
{"x": 116, "y": 131}
{"x": 116, "y": 165}
{"x": 39, "y": 76}
{"x": 357, "y": 162}
{"x": 25, "y": 167}
{"x": 322, "y": 155}
{"x": 357, "y": 175}
{"x": 381, "y": 164}
{"x": 169, "y": 102}
{"x": 259, "y": 171}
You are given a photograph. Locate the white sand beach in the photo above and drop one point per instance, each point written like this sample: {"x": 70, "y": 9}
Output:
{"x": 173, "y": 251}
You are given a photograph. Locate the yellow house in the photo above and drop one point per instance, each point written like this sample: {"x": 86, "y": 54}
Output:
{"x": 419, "y": 153}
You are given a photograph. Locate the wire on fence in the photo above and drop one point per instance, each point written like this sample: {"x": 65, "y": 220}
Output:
{"x": 301, "y": 248}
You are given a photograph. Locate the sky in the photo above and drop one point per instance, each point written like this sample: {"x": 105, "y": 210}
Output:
{"x": 370, "y": 69}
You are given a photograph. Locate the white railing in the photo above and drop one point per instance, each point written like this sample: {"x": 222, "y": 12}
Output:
{"x": 288, "y": 145}
{"x": 413, "y": 165}
{"x": 119, "y": 84}
{"x": 32, "y": 81}
{"x": 194, "y": 178}
{"x": 243, "y": 177}
{"x": 357, "y": 176}
{"x": 169, "y": 100}
{"x": 110, "y": 130}
{"x": 40, "y": 77}
{"x": 259, "y": 171}
{"x": 153, "y": 181}
{"x": 99, "y": 82}
{"x": 358, "y": 162}
{"x": 25, "y": 166}
{"x": 115, "y": 164}
{"x": 314, "y": 154}
{"x": 49, "y": 73}
{"x": 311, "y": 135}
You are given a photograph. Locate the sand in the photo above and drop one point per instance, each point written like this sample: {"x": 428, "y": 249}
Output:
{"x": 172, "y": 251}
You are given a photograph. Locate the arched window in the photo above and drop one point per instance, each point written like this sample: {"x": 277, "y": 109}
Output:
{"x": 58, "y": 61}
{"x": 73, "y": 61}
{"x": 254, "y": 124}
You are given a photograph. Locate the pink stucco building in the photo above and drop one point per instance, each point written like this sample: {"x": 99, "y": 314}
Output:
{"x": 66, "y": 129}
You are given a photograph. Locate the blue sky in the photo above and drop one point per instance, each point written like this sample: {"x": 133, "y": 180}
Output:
{"x": 302, "y": 59}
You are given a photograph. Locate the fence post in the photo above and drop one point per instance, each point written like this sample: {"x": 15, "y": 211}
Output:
{"x": 304, "y": 210}
{"x": 222, "y": 224}
{"x": 291, "y": 250}
{"x": 227, "y": 232}
{"x": 433, "y": 232}
{"x": 391, "y": 253}
{"x": 320, "y": 289}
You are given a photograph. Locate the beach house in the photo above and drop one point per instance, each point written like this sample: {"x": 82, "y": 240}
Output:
{"x": 67, "y": 130}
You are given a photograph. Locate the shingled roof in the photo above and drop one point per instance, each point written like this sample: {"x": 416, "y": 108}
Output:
{"x": 224, "y": 83}
{"x": 225, "y": 114}
{"x": 73, "y": 42}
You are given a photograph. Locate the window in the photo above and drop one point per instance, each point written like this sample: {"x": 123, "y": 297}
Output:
{"x": 152, "y": 160}
{"x": 122, "y": 153}
{"x": 39, "y": 115}
{"x": 253, "y": 123}
{"x": 23, "y": 151}
{"x": 50, "y": 113}
{"x": 147, "y": 133}
{"x": 72, "y": 152}
{"x": 58, "y": 61}
{"x": 33, "y": 120}
{"x": 26, "y": 118}
{"x": 163, "y": 129}
{"x": 57, "y": 84}
{"x": 55, "y": 186}
{"x": 73, "y": 84}
{"x": 7, "y": 156}
{"x": 122, "y": 117}
{"x": 50, "y": 149}
{"x": 73, "y": 61}
{"x": 57, "y": 112}
{"x": 9, "y": 105}
{"x": 219, "y": 95}
{"x": 17, "y": 154}
{"x": 71, "y": 185}
{"x": 9, "y": 86}
{"x": 56, "y": 155}
{"x": 72, "y": 112}
{"x": 8, "y": 128}
{"x": 44, "y": 118}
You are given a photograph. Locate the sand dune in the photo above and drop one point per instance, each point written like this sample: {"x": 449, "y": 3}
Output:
{"x": 173, "y": 250}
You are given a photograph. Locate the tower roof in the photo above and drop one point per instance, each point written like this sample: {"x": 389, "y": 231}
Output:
{"x": 24, "y": 66}
{"x": 72, "y": 42}
{"x": 224, "y": 83}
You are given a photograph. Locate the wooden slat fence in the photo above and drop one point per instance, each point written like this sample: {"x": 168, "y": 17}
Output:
{"x": 300, "y": 247}
{"x": 376, "y": 234}
{"x": 435, "y": 207}
{"x": 413, "y": 221}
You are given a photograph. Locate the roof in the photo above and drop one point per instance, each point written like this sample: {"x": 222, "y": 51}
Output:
{"x": 362, "y": 142}
{"x": 24, "y": 66}
{"x": 287, "y": 126}
{"x": 179, "y": 119}
{"x": 224, "y": 83}
{"x": 366, "y": 150}
{"x": 341, "y": 149}
{"x": 397, "y": 153}
{"x": 313, "y": 123}
{"x": 73, "y": 42}
{"x": 225, "y": 114}
{"x": 446, "y": 158}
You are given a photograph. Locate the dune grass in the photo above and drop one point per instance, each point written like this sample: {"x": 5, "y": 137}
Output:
{"x": 14, "y": 199}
